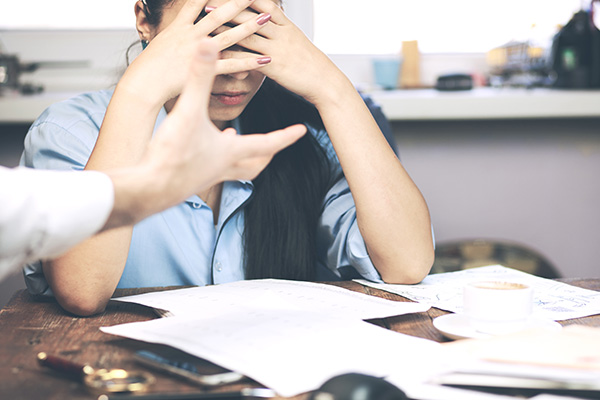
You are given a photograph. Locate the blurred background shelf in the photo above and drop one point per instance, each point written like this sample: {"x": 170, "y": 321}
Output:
{"x": 488, "y": 103}
{"x": 401, "y": 105}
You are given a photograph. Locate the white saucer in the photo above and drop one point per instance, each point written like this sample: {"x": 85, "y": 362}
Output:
{"x": 457, "y": 326}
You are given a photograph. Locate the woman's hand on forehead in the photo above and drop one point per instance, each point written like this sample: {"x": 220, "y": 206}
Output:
{"x": 222, "y": 15}
{"x": 259, "y": 7}
{"x": 270, "y": 8}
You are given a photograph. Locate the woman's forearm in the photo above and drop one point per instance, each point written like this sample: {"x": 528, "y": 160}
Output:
{"x": 392, "y": 214}
{"x": 84, "y": 279}
{"x": 126, "y": 129}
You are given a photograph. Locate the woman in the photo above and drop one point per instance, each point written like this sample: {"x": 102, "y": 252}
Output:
{"x": 336, "y": 205}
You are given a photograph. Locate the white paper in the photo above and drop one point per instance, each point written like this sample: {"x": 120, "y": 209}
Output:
{"x": 289, "y": 351}
{"x": 571, "y": 363}
{"x": 415, "y": 380}
{"x": 275, "y": 331}
{"x": 552, "y": 300}
{"x": 274, "y": 294}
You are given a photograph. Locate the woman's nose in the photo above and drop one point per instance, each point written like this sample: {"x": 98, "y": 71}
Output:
{"x": 240, "y": 76}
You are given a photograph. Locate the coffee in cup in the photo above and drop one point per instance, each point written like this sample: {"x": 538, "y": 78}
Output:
{"x": 498, "y": 307}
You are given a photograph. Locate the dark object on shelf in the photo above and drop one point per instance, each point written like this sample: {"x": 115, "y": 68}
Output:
{"x": 454, "y": 82}
{"x": 519, "y": 64}
{"x": 575, "y": 54}
{"x": 11, "y": 69}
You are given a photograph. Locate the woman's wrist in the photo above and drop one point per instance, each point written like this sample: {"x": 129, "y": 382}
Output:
{"x": 334, "y": 94}
{"x": 139, "y": 96}
{"x": 126, "y": 129}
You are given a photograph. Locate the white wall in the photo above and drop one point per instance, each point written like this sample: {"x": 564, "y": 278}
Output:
{"x": 301, "y": 12}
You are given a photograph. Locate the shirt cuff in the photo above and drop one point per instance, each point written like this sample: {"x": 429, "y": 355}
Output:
{"x": 359, "y": 256}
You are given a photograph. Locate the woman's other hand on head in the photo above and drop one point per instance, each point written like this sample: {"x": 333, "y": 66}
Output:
{"x": 296, "y": 63}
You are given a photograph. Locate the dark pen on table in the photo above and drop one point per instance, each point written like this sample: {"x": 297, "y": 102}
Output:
{"x": 98, "y": 380}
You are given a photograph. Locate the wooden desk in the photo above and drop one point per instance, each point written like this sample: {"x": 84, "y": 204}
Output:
{"x": 28, "y": 327}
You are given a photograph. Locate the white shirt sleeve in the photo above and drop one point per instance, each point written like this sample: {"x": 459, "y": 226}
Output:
{"x": 44, "y": 213}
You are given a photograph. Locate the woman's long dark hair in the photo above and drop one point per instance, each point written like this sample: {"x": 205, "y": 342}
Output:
{"x": 281, "y": 218}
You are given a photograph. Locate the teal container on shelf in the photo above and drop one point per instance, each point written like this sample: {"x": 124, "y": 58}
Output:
{"x": 387, "y": 72}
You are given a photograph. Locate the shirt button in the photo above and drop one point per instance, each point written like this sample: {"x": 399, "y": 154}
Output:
{"x": 219, "y": 267}
{"x": 196, "y": 205}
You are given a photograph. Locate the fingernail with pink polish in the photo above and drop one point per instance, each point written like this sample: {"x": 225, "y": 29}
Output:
{"x": 263, "y": 18}
{"x": 263, "y": 60}
{"x": 209, "y": 8}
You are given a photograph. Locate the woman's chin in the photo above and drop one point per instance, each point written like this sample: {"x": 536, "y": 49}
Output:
{"x": 221, "y": 118}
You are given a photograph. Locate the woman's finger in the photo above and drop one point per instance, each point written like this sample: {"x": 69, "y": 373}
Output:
{"x": 267, "y": 30}
{"x": 268, "y": 6}
{"x": 228, "y": 37}
{"x": 222, "y": 15}
{"x": 255, "y": 43}
{"x": 248, "y": 63}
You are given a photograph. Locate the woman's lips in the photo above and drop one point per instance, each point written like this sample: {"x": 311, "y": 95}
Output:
{"x": 230, "y": 98}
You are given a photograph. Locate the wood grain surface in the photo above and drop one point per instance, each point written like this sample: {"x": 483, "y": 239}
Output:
{"x": 28, "y": 327}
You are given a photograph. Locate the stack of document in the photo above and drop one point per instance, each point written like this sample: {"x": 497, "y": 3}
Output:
{"x": 276, "y": 331}
{"x": 565, "y": 361}
{"x": 538, "y": 360}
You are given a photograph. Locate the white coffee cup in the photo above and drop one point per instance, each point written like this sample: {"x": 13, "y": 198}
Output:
{"x": 498, "y": 307}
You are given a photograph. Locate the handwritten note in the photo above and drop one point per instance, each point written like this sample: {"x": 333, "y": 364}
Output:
{"x": 552, "y": 300}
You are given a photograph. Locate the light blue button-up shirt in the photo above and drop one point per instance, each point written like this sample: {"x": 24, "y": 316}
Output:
{"x": 181, "y": 245}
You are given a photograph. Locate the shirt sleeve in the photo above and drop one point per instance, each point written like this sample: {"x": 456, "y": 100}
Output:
{"x": 340, "y": 239}
{"x": 44, "y": 213}
{"x": 340, "y": 244}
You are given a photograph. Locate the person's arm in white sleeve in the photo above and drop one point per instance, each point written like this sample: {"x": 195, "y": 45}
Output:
{"x": 44, "y": 213}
